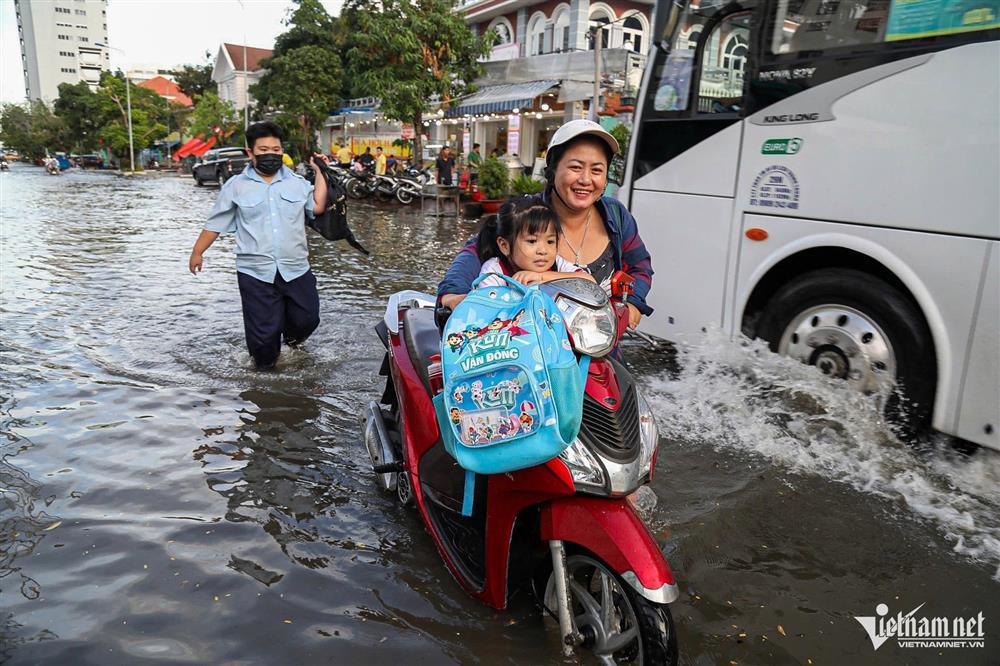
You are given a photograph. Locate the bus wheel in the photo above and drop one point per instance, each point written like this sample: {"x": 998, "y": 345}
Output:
{"x": 856, "y": 327}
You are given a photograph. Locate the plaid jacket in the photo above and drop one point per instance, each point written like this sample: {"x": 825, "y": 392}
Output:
{"x": 630, "y": 255}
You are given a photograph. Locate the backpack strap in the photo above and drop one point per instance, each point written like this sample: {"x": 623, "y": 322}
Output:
{"x": 511, "y": 282}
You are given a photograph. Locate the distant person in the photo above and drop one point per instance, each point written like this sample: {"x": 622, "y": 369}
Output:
{"x": 475, "y": 163}
{"x": 494, "y": 153}
{"x": 380, "y": 162}
{"x": 366, "y": 159}
{"x": 445, "y": 163}
{"x": 343, "y": 156}
{"x": 265, "y": 206}
{"x": 391, "y": 164}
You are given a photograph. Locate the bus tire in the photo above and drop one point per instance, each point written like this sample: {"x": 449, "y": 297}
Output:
{"x": 855, "y": 326}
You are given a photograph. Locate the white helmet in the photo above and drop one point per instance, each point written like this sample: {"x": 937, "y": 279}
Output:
{"x": 575, "y": 128}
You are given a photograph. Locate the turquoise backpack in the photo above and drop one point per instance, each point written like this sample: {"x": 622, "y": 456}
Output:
{"x": 513, "y": 389}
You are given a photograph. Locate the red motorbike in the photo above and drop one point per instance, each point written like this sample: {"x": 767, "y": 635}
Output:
{"x": 568, "y": 526}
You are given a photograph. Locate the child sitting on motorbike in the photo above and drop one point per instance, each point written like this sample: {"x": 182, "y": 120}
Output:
{"x": 520, "y": 241}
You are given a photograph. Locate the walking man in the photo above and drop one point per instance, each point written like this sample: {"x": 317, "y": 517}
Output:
{"x": 444, "y": 164}
{"x": 344, "y": 156}
{"x": 265, "y": 206}
{"x": 475, "y": 162}
{"x": 380, "y": 161}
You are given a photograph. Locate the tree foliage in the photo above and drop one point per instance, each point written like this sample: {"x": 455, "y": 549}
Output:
{"x": 303, "y": 79}
{"x": 32, "y": 129}
{"x": 216, "y": 117}
{"x": 82, "y": 111}
{"x": 195, "y": 80}
{"x": 408, "y": 51}
{"x": 149, "y": 113}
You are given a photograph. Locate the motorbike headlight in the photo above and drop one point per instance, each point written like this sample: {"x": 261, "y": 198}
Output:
{"x": 649, "y": 436}
{"x": 592, "y": 329}
{"x": 583, "y": 466}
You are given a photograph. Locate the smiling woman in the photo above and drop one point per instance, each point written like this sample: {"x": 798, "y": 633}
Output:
{"x": 599, "y": 235}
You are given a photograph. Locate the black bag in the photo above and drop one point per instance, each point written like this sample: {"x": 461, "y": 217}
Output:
{"x": 331, "y": 224}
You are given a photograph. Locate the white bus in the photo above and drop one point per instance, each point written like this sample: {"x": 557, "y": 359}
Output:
{"x": 825, "y": 175}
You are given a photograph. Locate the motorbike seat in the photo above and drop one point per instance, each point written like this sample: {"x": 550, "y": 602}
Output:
{"x": 423, "y": 339}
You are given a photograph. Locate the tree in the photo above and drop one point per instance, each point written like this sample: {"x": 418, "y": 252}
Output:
{"x": 408, "y": 51}
{"x": 195, "y": 80}
{"x": 32, "y": 129}
{"x": 81, "y": 110}
{"x": 303, "y": 79}
{"x": 215, "y": 117}
{"x": 149, "y": 112}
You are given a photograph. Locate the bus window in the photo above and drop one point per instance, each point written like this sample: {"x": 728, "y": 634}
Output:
{"x": 817, "y": 25}
{"x": 723, "y": 64}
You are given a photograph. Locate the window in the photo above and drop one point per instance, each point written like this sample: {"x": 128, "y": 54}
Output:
{"x": 62, "y": 10}
{"x": 504, "y": 32}
{"x": 601, "y": 16}
{"x": 723, "y": 63}
{"x": 693, "y": 37}
{"x": 68, "y": 54}
{"x": 80, "y": 12}
{"x": 634, "y": 31}
{"x": 67, "y": 70}
{"x": 64, "y": 25}
{"x": 81, "y": 27}
{"x": 83, "y": 39}
{"x": 536, "y": 34}
{"x": 560, "y": 36}
{"x": 65, "y": 37}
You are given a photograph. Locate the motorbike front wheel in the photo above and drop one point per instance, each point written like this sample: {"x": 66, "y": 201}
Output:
{"x": 618, "y": 625}
{"x": 404, "y": 196}
{"x": 356, "y": 189}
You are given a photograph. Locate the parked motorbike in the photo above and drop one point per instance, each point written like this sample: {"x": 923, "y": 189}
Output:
{"x": 363, "y": 185}
{"x": 410, "y": 184}
{"x": 4, "y": 166}
{"x": 566, "y": 527}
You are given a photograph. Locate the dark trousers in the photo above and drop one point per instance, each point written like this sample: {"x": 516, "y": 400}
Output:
{"x": 272, "y": 311}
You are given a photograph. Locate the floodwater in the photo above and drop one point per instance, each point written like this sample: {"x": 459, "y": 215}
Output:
{"x": 161, "y": 502}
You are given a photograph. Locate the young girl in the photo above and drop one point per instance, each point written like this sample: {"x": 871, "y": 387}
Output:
{"x": 520, "y": 241}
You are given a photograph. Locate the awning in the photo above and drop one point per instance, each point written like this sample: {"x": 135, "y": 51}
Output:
{"x": 500, "y": 98}
{"x": 184, "y": 150}
{"x": 202, "y": 149}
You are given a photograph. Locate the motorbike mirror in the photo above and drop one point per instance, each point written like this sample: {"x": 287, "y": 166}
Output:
{"x": 622, "y": 285}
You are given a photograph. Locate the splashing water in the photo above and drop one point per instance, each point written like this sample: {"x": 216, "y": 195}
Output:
{"x": 739, "y": 396}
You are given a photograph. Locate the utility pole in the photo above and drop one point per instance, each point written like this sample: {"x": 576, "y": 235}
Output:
{"x": 246, "y": 71}
{"x": 128, "y": 102}
{"x": 596, "y": 35}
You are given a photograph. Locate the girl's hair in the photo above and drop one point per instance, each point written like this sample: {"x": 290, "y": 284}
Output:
{"x": 520, "y": 215}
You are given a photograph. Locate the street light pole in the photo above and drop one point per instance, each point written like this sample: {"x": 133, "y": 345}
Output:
{"x": 246, "y": 71}
{"x": 128, "y": 103}
{"x": 597, "y": 36}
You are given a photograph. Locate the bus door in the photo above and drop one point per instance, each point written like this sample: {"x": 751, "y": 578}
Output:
{"x": 686, "y": 161}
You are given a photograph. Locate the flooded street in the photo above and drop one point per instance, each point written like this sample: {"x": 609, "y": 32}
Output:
{"x": 164, "y": 502}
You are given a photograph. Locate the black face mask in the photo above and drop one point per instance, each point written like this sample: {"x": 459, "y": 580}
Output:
{"x": 268, "y": 164}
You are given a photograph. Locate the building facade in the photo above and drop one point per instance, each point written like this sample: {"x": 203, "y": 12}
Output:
{"x": 59, "y": 44}
{"x": 542, "y": 68}
{"x": 234, "y": 77}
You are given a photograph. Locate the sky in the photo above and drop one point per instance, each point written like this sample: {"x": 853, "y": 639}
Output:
{"x": 161, "y": 34}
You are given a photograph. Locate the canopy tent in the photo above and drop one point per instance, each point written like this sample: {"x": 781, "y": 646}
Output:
{"x": 186, "y": 149}
{"x": 501, "y": 98}
{"x": 202, "y": 149}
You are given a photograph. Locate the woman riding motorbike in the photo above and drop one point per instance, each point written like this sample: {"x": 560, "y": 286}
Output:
{"x": 598, "y": 233}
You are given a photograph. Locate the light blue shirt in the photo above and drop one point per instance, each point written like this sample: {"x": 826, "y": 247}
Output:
{"x": 269, "y": 222}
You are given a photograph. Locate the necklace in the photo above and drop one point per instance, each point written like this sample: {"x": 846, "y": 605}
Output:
{"x": 583, "y": 241}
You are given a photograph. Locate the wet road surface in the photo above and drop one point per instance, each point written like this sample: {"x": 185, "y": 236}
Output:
{"x": 161, "y": 502}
